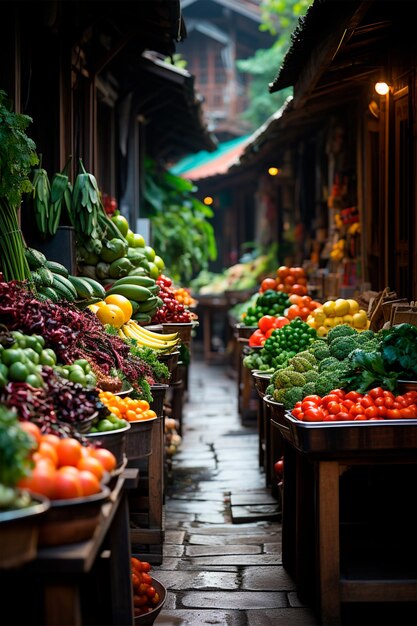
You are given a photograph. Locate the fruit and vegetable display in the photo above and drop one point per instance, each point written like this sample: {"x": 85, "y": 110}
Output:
{"x": 340, "y": 311}
{"x": 171, "y": 310}
{"x": 131, "y": 332}
{"x": 243, "y": 276}
{"x": 75, "y": 334}
{"x": 63, "y": 467}
{"x": 266, "y": 325}
{"x": 124, "y": 409}
{"x": 349, "y": 360}
{"x": 145, "y": 596}
{"x": 291, "y": 280}
{"x": 269, "y": 302}
{"x": 342, "y": 406}
{"x": 282, "y": 344}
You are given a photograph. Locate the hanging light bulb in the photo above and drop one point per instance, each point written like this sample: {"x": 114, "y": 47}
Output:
{"x": 208, "y": 200}
{"x": 382, "y": 88}
{"x": 273, "y": 171}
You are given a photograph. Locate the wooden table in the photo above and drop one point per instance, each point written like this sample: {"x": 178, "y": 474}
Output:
{"x": 321, "y": 543}
{"x": 75, "y": 584}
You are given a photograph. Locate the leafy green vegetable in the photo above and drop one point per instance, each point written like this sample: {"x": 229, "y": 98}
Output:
{"x": 367, "y": 370}
{"x": 15, "y": 446}
{"x": 399, "y": 350}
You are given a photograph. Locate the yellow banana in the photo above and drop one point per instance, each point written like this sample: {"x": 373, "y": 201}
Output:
{"x": 150, "y": 333}
{"x": 148, "y": 343}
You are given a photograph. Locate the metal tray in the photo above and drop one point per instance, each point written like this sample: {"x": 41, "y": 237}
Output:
{"x": 334, "y": 437}
{"x": 261, "y": 380}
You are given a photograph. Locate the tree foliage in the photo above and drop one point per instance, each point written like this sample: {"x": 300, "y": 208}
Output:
{"x": 279, "y": 17}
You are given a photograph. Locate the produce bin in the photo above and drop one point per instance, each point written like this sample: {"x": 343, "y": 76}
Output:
{"x": 158, "y": 395}
{"x": 139, "y": 439}
{"x": 113, "y": 440}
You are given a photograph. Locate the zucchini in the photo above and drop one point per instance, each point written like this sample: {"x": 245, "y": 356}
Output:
{"x": 82, "y": 287}
{"x": 57, "y": 268}
{"x": 46, "y": 276}
{"x": 35, "y": 258}
{"x": 64, "y": 288}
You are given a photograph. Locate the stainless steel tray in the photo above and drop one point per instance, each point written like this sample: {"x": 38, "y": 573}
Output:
{"x": 334, "y": 437}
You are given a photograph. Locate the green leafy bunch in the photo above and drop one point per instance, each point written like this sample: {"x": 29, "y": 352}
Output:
{"x": 15, "y": 446}
{"x": 181, "y": 230}
{"x": 17, "y": 153}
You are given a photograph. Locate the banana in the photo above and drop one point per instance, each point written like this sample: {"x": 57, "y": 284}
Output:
{"x": 134, "y": 331}
{"x": 151, "y": 333}
{"x": 121, "y": 334}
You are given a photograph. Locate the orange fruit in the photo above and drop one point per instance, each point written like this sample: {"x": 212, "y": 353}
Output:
{"x": 68, "y": 483}
{"x": 51, "y": 438}
{"x": 69, "y": 451}
{"x": 89, "y": 482}
{"x": 31, "y": 429}
{"x": 106, "y": 457}
{"x": 123, "y": 303}
{"x": 46, "y": 449}
{"x": 93, "y": 465}
{"x": 42, "y": 480}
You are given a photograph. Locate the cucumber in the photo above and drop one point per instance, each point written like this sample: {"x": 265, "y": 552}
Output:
{"x": 46, "y": 276}
{"x": 35, "y": 258}
{"x": 143, "y": 318}
{"x": 135, "y": 306}
{"x": 57, "y": 268}
{"x": 99, "y": 291}
{"x": 132, "y": 292}
{"x": 82, "y": 287}
{"x": 49, "y": 293}
{"x": 143, "y": 281}
{"x": 64, "y": 288}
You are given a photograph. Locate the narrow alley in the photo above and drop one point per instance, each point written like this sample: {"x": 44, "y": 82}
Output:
{"x": 216, "y": 569}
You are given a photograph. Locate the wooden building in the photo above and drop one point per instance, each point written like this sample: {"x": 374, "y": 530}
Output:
{"x": 93, "y": 77}
{"x": 346, "y": 156}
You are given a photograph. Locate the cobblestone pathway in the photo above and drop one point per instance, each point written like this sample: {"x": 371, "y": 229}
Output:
{"x": 217, "y": 571}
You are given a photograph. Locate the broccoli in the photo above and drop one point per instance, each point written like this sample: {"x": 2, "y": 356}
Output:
{"x": 319, "y": 349}
{"x": 328, "y": 363}
{"x": 341, "y": 330}
{"x": 306, "y": 354}
{"x": 270, "y": 390}
{"x": 279, "y": 395}
{"x": 365, "y": 335}
{"x": 372, "y": 345}
{"x": 292, "y": 396}
{"x": 326, "y": 382}
{"x": 289, "y": 378}
{"x": 309, "y": 389}
{"x": 342, "y": 347}
{"x": 300, "y": 364}
{"x": 311, "y": 376}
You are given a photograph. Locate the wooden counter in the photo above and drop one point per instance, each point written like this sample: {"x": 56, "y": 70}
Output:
{"x": 79, "y": 583}
{"x": 347, "y": 523}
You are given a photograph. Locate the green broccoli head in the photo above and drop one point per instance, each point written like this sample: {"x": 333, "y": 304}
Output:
{"x": 292, "y": 396}
{"x": 279, "y": 394}
{"x": 341, "y": 330}
{"x": 300, "y": 364}
{"x": 328, "y": 363}
{"x": 319, "y": 349}
{"x": 289, "y": 378}
{"x": 270, "y": 390}
{"x": 306, "y": 354}
{"x": 341, "y": 347}
{"x": 327, "y": 381}
{"x": 365, "y": 336}
{"x": 311, "y": 376}
{"x": 309, "y": 389}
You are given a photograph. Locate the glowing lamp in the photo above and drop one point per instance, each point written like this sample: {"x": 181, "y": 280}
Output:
{"x": 382, "y": 88}
{"x": 273, "y": 171}
{"x": 208, "y": 200}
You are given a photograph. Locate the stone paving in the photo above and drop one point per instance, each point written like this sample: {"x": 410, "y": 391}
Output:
{"x": 217, "y": 571}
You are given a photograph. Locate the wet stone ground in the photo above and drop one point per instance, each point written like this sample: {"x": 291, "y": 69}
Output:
{"x": 218, "y": 567}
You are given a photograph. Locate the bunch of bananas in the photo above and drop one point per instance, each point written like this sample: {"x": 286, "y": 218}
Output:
{"x": 142, "y": 291}
{"x": 147, "y": 338}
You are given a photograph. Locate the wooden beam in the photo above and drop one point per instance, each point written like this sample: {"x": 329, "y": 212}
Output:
{"x": 324, "y": 54}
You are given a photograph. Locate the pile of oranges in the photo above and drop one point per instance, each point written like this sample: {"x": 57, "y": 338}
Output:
{"x": 63, "y": 467}
{"x": 184, "y": 296}
{"x": 127, "y": 408}
{"x": 115, "y": 310}
{"x": 291, "y": 280}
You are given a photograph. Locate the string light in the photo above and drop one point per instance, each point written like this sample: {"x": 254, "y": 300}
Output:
{"x": 208, "y": 200}
{"x": 273, "y": 171}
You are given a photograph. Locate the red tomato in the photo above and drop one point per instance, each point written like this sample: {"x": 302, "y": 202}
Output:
{"x": 339, "y": 392}
{"x": 393, "y": 414}
{"x": 388, "y": 394}
{"x": 382, "y": 411}
{"x": 296, "y": 412}
{"x": 283, "y": 271}
{"x": 348, "y": 404}
{"x": 269, "y": 332}
{"x": 329, "y": 418}
{"x": 367, "y": 402}
{"x": 342, "y": 416}
{"x": 281, "y": 321}
{"x": 407, "y": 413}
{"x": 371, "y": 411}
{"x": 279, "y": 467}
{"x": 357, "y": 409}
{"x": 268, "y": 283}
{"x": 313, "y": 398}
{"x": 331, "y": 397}
{"x": 257, "y": 338}
{"x": 353, "y": 395}
{"x": 388, "y": 401}
{"x": 266, "y": 322}
{"x": 313, "y": 414}
{"x": 376, "y": 392}
{"x": 333, "y": 407}
{"x": 293, "y": 311}
{"x": 360, "y": 417}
